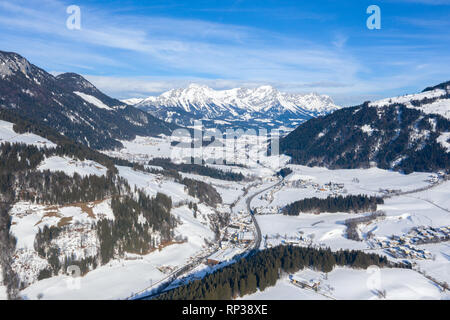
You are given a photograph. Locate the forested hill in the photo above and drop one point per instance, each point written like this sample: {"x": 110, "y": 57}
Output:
{"x": 64, "y": 145}
{"x": 72, "y": 105}
{"x": 140, "y": 223}
{"x": 390, "y": 137}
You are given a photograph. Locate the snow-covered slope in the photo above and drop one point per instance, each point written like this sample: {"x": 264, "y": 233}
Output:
{"x": 132, "y": 101}
{"x": 434, "y": 100}
{"x": 7, "y": 134}
{"x": 71, "y": 105}
{"x": 262, "y": 105}
{"x": 409, "y": 133}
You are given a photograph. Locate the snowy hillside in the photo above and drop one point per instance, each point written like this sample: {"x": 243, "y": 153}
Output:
{"x": 435, "y": 100}
{"x": 71, "y": 105}
{"x": 7, "y": 134}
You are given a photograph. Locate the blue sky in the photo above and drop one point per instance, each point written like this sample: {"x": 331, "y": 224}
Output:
{"x": 140, "y": 48}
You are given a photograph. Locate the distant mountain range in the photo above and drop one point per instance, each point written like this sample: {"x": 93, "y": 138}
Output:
{"x": 407, "y": 133}
{"x": 71, "y": 105}
{"x": 240, "y": 107}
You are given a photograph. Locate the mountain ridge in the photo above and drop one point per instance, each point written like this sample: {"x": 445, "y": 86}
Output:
{"x": 72, "y": 105}
{"x": 402, "y": 133}
{"x": 258, "y": 106}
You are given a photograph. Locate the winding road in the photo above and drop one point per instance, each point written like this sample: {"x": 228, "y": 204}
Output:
{"x": 252, "y": 213}
{"x": 166, "y": 282}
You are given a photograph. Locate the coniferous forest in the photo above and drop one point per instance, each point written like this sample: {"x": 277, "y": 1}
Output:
{"x": 20, "y": 181}
{"x": 202, "y": 170}
{"x": 263, "y": 269}
{"x": 350, "y": 203}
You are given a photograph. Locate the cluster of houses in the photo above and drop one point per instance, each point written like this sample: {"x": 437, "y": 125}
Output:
{"x": 408, "y": 251}
{"x": 238, "y": 235}
{"x": 423, "y": 235}
{"x": 299, "y": 241}
{"x": 390, "y": 191}
{"x": 331, "y": 187}
{"x": 268, "y": 210}
{"x": 335, "y": 188}
{"x": 405, "y": 246}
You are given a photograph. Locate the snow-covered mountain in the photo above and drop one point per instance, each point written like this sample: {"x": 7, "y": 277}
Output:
{"x": 407, "y": 133}
{"x": 71, "y": 105}
{"x": 243, "y": 107}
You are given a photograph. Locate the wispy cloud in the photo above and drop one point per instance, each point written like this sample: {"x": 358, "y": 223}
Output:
{"x": 126, "y": 53}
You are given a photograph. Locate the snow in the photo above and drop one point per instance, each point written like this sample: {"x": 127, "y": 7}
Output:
{"x": 3, "y": 291}
{"x": 12, "y": 63}
{"x": 440, "y": 106}
{"x": 142, "y": 149}
{"x": 28, "y": 218}
{"x": 326, "y": 229}
{"x": 27, "y": 264}
{"x": 7, "y": 134}
{"x": 352, "y": 284}
{"x": 132, "y": 101}
{"x": 118, "y": 279}
{"x": 153, "y": 184}
{"x": 367, "y": 129}
{"x": 78, "y": 239}
{"x": 235, "y": 101}
{"x": 355, "y": 181}
{"x": 92, "y": 100}
{"x": 195, "y": 229}
{"x": 409, "y": 97}
{"x": 444, "y": 139}
{"x": 71, "y": 166}
{"x": 424, "y": 208}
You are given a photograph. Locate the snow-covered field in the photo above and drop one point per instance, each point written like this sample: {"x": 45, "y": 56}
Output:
{"x": 70, "y": 166}
{"x": 118, "y": 279}
{"x": 307, "y": 182}
{"x": 352, "y": 284}
{"x": 152, "y": 184}
{"x": 7, "y": 134}
{"x": 121, "y": 278}
{"x": 249, "y": 150}
{"x": 425, "y": 208}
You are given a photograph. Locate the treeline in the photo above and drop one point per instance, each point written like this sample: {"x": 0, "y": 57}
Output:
{"x": 337, "y": 140}
{"x": 263, "y": 269}
{"x": 139, "y": 226}
{"x": 135, "y": 222}
{"x": 284, "y": 172}
{"x": 141, "y": 223}
{"x": 350, "y": 203}
{"x": 56, "y": 267}
{"x": 202, "y": 170}
{"x": 47, "y": 187}
{"x": 65, "y": 146}
{"x": 7, "y": 249}
{"x": 352, "y": 224}
{"x": 202, "y": 191}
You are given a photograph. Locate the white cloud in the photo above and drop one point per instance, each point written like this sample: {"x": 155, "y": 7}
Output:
{"x": 131, "y": 56}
